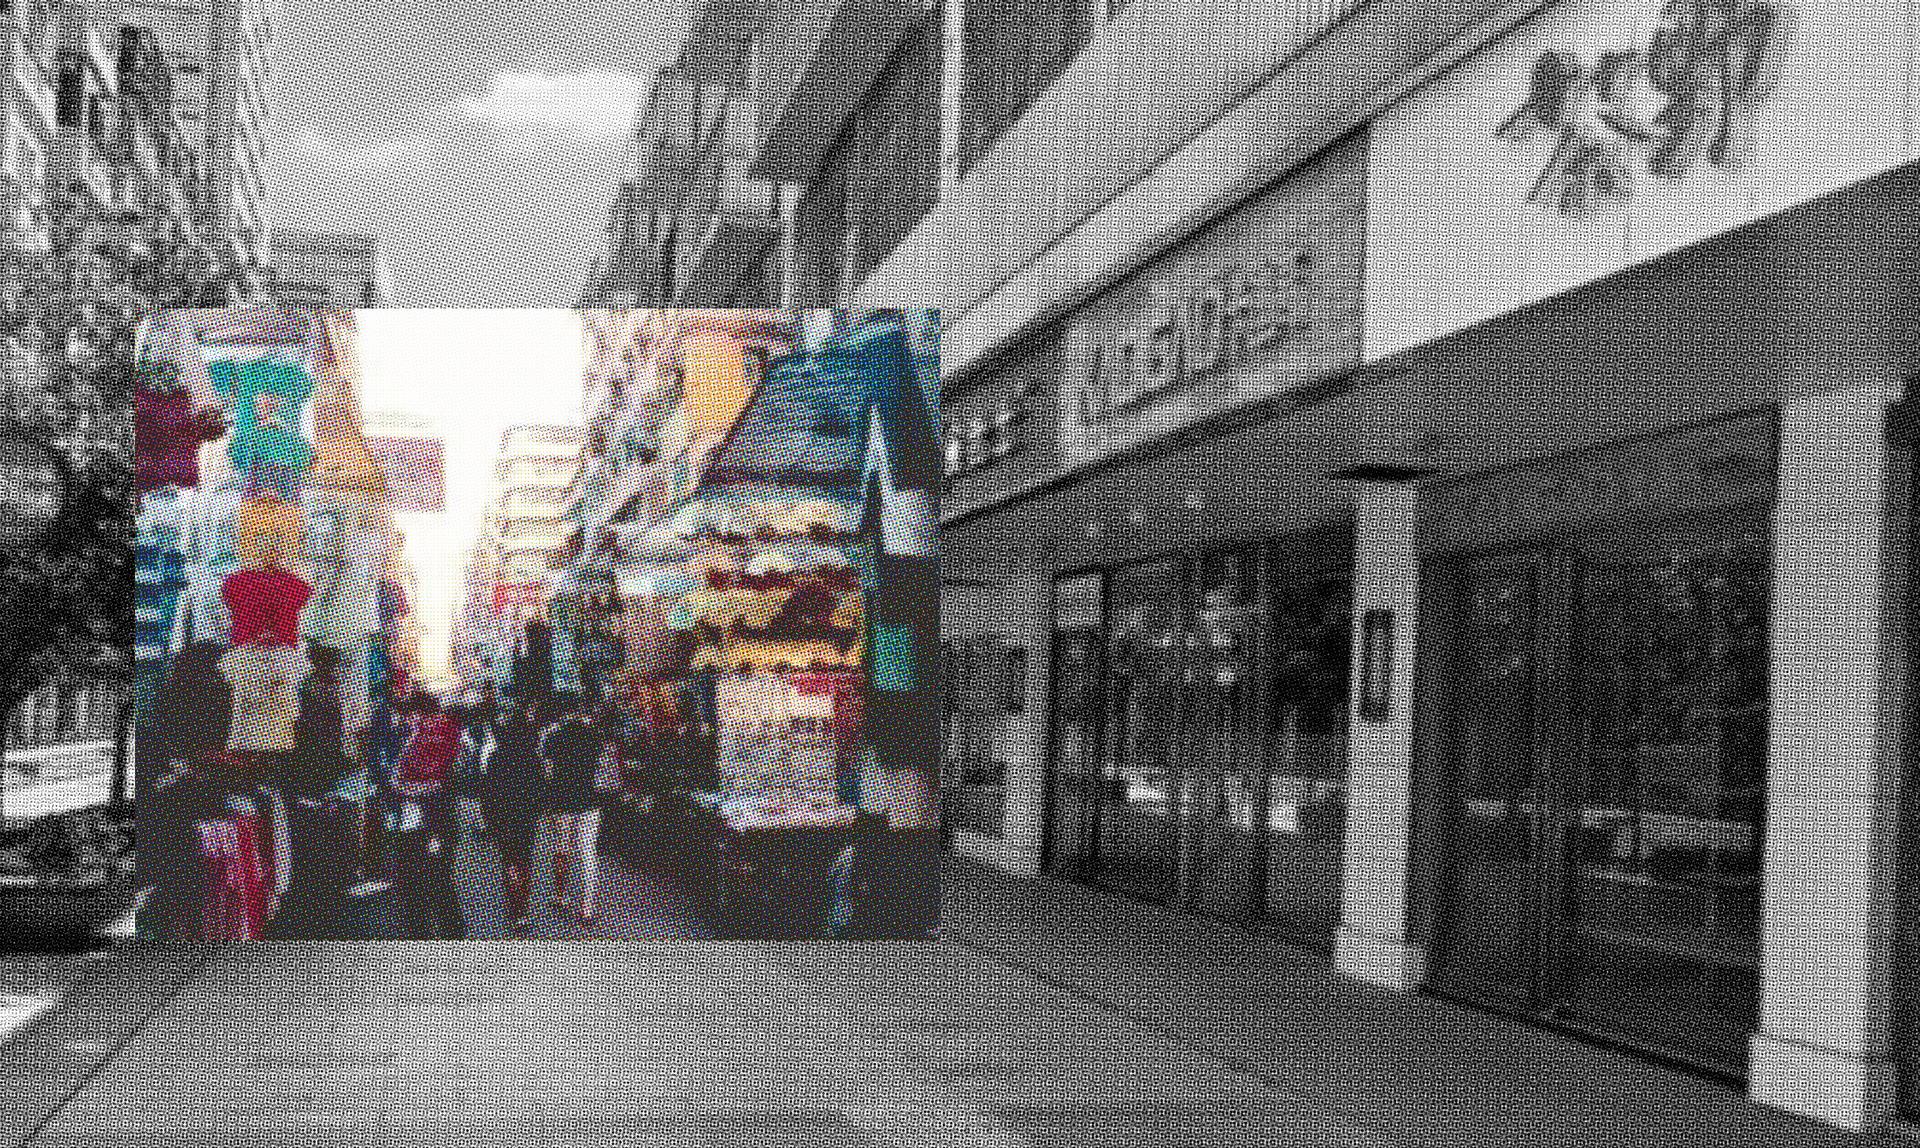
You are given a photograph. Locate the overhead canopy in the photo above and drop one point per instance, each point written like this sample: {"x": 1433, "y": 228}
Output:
{"x": 809, "y": 421}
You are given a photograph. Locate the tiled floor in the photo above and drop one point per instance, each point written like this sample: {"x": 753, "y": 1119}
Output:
{"x": 1050, "y": 1017}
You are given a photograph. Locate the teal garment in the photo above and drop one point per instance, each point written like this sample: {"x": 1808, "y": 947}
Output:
{"x": 275, "y": 443}
{"x": 893, "y": 667}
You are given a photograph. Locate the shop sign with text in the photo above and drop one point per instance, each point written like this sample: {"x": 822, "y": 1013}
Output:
{"x": 1266, "y": 299}
{"x": 1685, "y": 98}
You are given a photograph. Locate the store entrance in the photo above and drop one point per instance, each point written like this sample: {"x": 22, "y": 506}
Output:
{"x": 1138, "y": 825}
{"x": 1226, "y": 784}
{"x": 1608, "y": 777}
{"x": 1074, "y": 796}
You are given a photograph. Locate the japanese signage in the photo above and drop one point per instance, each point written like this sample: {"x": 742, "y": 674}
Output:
{"x": 988, "y": 436}
{"x": 416, "y": 472}
{"x": 1265, "y": 300}
{"x": 1719, "y": 464}
{"x": 1686, "y": 99}
{"x": 1000, "y": 425}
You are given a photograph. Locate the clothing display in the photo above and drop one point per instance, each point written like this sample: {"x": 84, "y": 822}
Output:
{"x": 346, "y": 611}
{"x": 236, "y": 880}
{"x": 255, "y": 570}
{"x": 267, "y": 397}
{"x": 159, "y": 579}
{"x": 168, "y": 432}
{"x": 266, "y": 696}
{"x": 266, "y": 606}
{"x": 268, "y": 526}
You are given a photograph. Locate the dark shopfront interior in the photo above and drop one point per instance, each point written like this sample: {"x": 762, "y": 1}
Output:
{"x": 1199, "y": 732}
{"x": 1591, "y": 787}
{"x": 1602, "y": 782}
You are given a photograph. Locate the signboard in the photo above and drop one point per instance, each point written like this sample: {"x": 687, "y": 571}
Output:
{"x": 1001, "y": 427}
{"x": 1685, "y": 98}
{"x": 31, "y": 493}
{"x": 1265, "y": 300}
{"x": 416, "y": 471}
{"x": 1715, "y": 465}
{"x": 1600, "y": 135}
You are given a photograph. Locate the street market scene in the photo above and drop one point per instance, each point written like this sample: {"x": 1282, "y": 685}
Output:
{"x": 673, "y": 679}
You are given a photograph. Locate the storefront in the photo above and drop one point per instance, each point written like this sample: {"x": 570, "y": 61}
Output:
{"x": 1601, "y": 698}
{"x": 1553, "y": 652}
{"x": 1188, "y": 696}
{"x": 1199, "y": 731}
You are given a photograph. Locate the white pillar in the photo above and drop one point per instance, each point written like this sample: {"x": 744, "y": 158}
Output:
{"x": 1373, "y": 943}
{"x": 1839, "y": 701}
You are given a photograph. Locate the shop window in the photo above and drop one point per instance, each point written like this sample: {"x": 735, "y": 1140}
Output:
{"x": 979, "y": 693}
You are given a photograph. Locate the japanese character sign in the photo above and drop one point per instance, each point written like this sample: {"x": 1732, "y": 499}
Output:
{"x": 1690, "y": 97}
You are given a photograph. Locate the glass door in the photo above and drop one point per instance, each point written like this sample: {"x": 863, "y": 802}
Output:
{"x": 1079, "y": 655}
{"x": 1658, "y": 937}
{"x": 1490, "y": 949}
{"x": 1307, "y": 758}
{"x": 1138, "y": 829}
{"x": 1225, "y": 783}
{"x": 1609, "y": 771}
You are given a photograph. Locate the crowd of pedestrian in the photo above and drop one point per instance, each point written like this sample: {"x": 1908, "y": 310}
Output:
{"x": 538, "y": 768}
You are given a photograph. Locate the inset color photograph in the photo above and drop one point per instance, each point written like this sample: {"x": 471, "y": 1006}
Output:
{"x": 551, "y": 624}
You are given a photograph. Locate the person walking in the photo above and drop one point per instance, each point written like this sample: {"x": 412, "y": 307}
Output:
{"x": 572, "y": 747}
{"x": 429, "y": 822}
{"x": 513, "y": 798}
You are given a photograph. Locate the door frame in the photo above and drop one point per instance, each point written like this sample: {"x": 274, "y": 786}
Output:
{"x": 1185, "y": 562}
{"x": 1195, "y": 761}
{"x": 1559, "y": 613}
{"x": 1319, "y": 553}
{"x": 1049, "y": 831}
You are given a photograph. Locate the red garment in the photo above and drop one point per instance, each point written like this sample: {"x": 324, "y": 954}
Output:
{"x": 236, "y": 905}
{"x": 266, "y": 606}
{"x": 168, "y": 431}
{"x": 430, "y": 751}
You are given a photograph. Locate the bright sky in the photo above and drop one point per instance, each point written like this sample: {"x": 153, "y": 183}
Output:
{"x": 480, "y": 143}
{"x": 469, "y": 375}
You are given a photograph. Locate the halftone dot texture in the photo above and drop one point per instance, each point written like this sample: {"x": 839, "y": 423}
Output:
{"x": 1056, "y": 1015}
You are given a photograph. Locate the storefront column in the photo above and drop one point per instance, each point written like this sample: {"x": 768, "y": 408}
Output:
{"x": 1012, "y": 602}
{"x": 1374, "y": 943}
{"x": 1838, "y": 697}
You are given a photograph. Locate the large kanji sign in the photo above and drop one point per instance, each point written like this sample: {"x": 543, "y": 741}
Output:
{"x": 1688, "y": 98}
